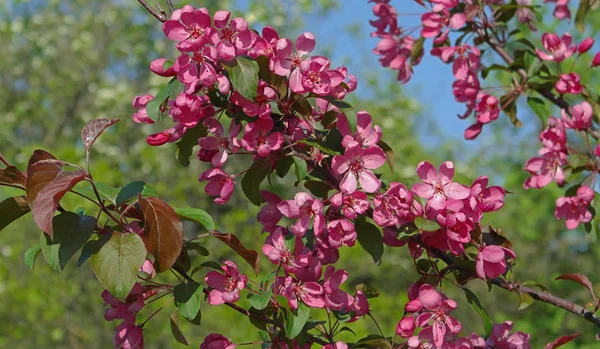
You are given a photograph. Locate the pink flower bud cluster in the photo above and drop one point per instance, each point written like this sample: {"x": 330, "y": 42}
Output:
{"x": 427, "y": 323}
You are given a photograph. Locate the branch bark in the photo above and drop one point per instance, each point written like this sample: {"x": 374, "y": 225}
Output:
{"x": 160, "y": 16}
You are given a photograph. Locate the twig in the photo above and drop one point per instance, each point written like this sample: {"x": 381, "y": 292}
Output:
{"x": 4, "y": 160}
{"x": 170, "y": 6}
{"x": 153, "y": 12}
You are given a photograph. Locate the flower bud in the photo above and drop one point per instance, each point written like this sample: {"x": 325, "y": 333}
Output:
{"x": 585, "y": 45}
{"x": 406, "y": 327}
{"x": 596, "y": 60}
{"x": 158, "y": 138}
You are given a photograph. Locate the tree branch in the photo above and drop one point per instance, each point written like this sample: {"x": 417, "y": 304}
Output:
{"x": 161, "y": 17}
{"x": 536, "y": 294}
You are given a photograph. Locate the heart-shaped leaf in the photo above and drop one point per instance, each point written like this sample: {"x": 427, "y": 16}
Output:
{"x": 244, "y": 77}
{"x": 117, "y": 263}
{"x": 163, "y": 232}
{"x": 93, "y": 129}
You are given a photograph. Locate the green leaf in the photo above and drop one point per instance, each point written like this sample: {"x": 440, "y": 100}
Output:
{"x": 373, "y": 342}
{"x": 196, "y": 215}
{"x": 369, "y": 237}
{"x": 176, "y": 330}
{"x": 389, "y": 154}
{"x": 31, "y": 254}
{"x": 346, "y": 109}
{"x": 582, "y": 11}
{"x": 244, "y": 77}
{"x": 296, "y": 323}
{"x": 196, "y": 246}
{"x": 426, "y": 225}
{"x": 188, "y": 297}
{"x": 300, "y": 168}
{"x": 132, "y": 190}
{"x": 283, "y": 166}
{"x": 524, "y": 299}
{"x": 538, "y": 106}
{"x": 71, "y": 232}
{"x": 343, "y": 316}
{"x": 475, "y": 304}
{"x": 117, "y": 263}
{"x": 259, "y": 302}
{"x": 12, "y": 209}
{"x": 252, "y": 180}
{"x": 153, "y": 107}
{"x": 185, "y": 146}
{"x": 92, "y": 247}
{"x": 347, "y": 329}
{"x": 317, "y": 188}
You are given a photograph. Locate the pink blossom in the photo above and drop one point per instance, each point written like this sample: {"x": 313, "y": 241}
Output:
{"x": 276, "y": 249}
{"x": 234, "y": 36}
{"x": 395, "y": 207}
{"x": 395, "y": 53}
{"x": 366, "y": 134}
{"x": 336, "y": 299}
{"x": 226, "y": 287}
{"x": 128, "y": 336}
{"x": 220, "y": 184}
{"x": 350, "y": 84}
{"x": 157, "y": 66}
{"x": 581, "y": 117}
{"x": 141, "y": 115}
{"x": 488, "y": 108}
{"x": 341, "y": 232}
{"x": 265, "y": 45}
{"x": 466, "y": 59}
{"x": 305, "y": 208}
{"x": 360, "y": 306}
{"x": 192, "y": 29}
{"x": 311, "y": 293}
{"x": 558, "y": 48}
{"x": 569, "y": 83}
{"x": 351, "y": 205}
{"x": 188, "y": 110}
{"x": 585, "y": 45}
{"x": 438, "y": 187}
{"x": 596, "y": 60}
{"x": 260, "y": 105}
{"x": 387, "y": 21}
{"x": 219, "y": 142}
{"x": 126, "y": 310}
{"x": 286, "y": 62}
{"x": 356, "y": 165}
{"x": 447, "y": 4}
{"x": 501, "y": 337}
{"x": 546, "y": 169}
{"x": 487, "y": 199}
{"x": 336, "y": 345}
{"x": 258, "y": 137}
{"x": 197, "y": 70}
{"x": 216, "y": 341}
{"x": 316, "y": 77}
{"x": 406, "y": 327}
{"x": 554, "y": 137}
{"x": 575, "y": 209}
{"x": 491, "y": 261}
{"x": 561, "y": 11}
{"x": 525, "y": 14}
{"x": 269, "y": 215}
{"x": 435, "y": 22}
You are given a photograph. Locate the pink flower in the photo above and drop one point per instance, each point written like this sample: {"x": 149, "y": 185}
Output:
{"x": 269, "y": 215}
{"x": 276, "y": 249}
{"x": 311, "y": 293}
{"x": 596, "y": 60}
{"x": 336, "y": 345}
{"x": 360, "y": 306}
{"x": 157, "y": 66}
{"x": 525, "y": 14}
{"x": 546, "y": 169}
{"x": 501, "y": 337}
{"x": 575, "y": 208}
{"x": 219, "y": 142}
{"x": 438, "y": 187}
{"x": 141, "y": 116}
{"x": 365, "y": 136}
{"x": 341, "y": 232}
{"x": 356, "y": 165}
{"x": 558, "y": 48}
{"x": 191, "y": 30}
{"x": 316, "y": 77}
{"x": 395, "y": 207}
{"x": 188, "y": 110}
{"x": 406, "y": 327}
{"x": 286, "y": 62}
{"x": 234, "y": 36}
{"x": 466, "y": 59}
{"x": 487, "y": 199}
{"x": 258, "y": 137}
{"x": 336, "y": 299}
{"x": 561, "y": 11}
{"x": 434, "y": 309}
{"x": 265, "y": 45}
{"x": 305, "y": 208}
{"x": 554, "y": 137}
{"x": 569, "y": 83}
{"x": 581, "y": 119}
{"x": 351, "y": 204}
{"x": 488, "y": 109}
{"x": 491, "y": 261}
{"x": 216, "y": 341}
{"x": 197, "y": 70}
{"x": 395, "y": 53}
{"x": 124, "y": 310}
{"x": 220, "y": 184}
{"x": 387, "y": 21}
{"x": 226, "y": 287}
{"x": 435, "y": 22}
{"x": 260, "y": 105}
{"x": 128, "y": 336}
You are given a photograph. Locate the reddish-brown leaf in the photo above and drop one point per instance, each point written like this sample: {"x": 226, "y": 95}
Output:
{"x": 232, "y": 241}
{"x": 163, "y": 232}
{"x": 47, "y": 199}
{"x": 12, "y": 175}
{"x": 93, "y": 129}
{"x": 39, "y": 176}
{"x": 560, "y": 341}
{"x": 582, "y": 280}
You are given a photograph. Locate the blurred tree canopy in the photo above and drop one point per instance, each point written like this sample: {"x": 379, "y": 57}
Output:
{"x": 68, "y": 61}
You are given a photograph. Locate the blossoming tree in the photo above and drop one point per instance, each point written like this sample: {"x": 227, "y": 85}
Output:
{"x": 235, "y": 91}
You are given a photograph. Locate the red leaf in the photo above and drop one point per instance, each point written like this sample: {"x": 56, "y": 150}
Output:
{"x": 11, "y": 175}
{"x": 39, "y": 176}
{"x": 163, "y": 232}
{"x": 47, "y": 199}
{"x": 560, "y": 341}
{"x": 232, "y": 241}
{"x": 582, "y": 280}
{"x": 94, "y": 129}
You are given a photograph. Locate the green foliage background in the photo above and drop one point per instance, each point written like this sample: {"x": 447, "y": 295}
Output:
{"x": 65, "y": 62}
